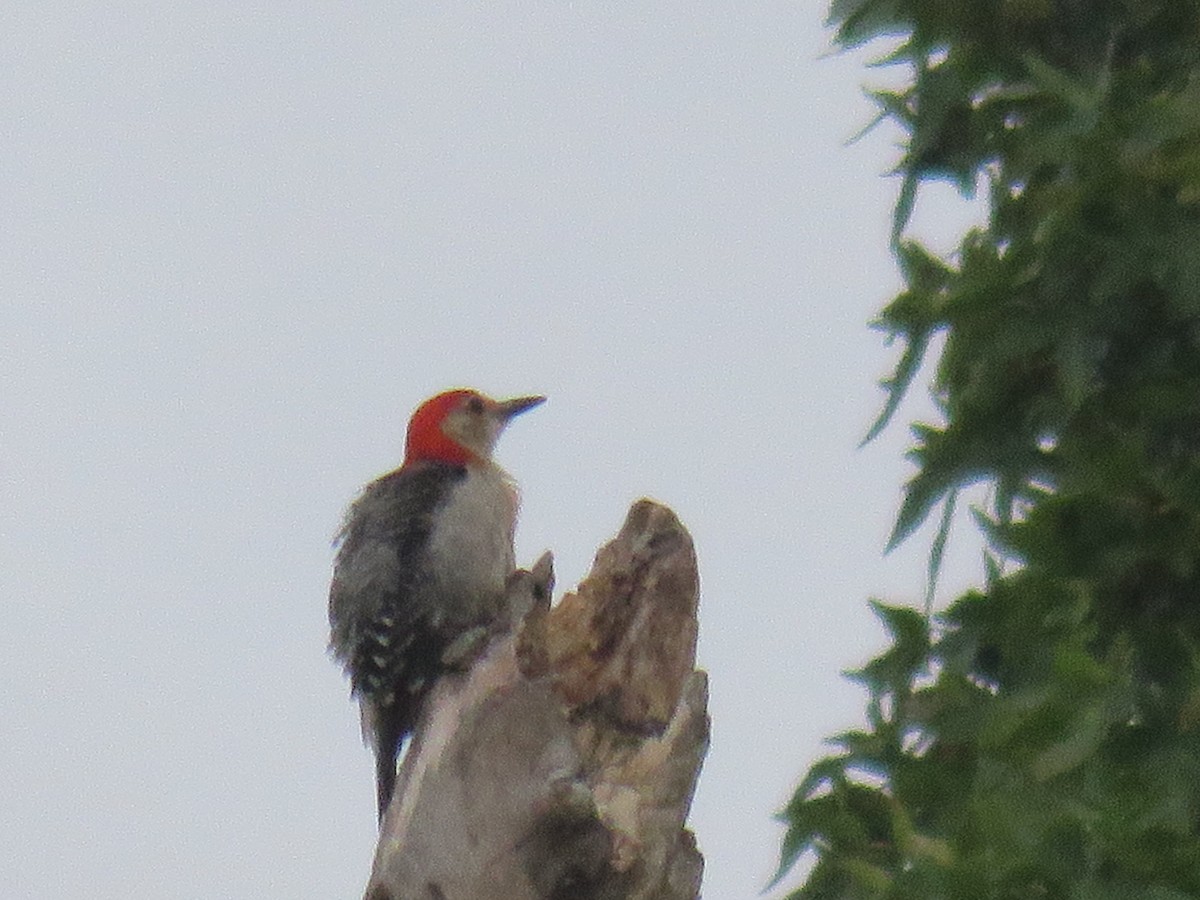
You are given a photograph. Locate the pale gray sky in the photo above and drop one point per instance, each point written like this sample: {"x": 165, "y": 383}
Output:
{"x": 241, "y": 242}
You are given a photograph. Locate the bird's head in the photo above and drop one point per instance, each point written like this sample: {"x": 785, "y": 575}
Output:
{"x": 460, "y": 426}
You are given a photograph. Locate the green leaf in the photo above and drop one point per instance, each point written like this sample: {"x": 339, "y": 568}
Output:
{"x": 1085, "y": 735}
{"x": 867, "y": 876}
{"x": 822, "y": 772}
{"x": 1084, "y": 99}
{"x": 859, "y": 21}
{"x": 897, "y": 385}
{"x": 905, "y": 205}
{"x": 914, "y": 315}
{"x": 930, "y": 484}
{"x": 908, "y": 628}
{"x": 938, "y": 550}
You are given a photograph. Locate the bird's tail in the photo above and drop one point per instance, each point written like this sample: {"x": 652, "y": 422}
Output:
{"x": 387, "y": 728}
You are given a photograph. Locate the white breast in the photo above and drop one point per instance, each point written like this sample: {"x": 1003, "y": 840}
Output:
{"x": 471, "y": 546}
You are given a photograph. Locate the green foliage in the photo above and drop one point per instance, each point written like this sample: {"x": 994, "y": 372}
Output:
{"x": 1041, "y": 737}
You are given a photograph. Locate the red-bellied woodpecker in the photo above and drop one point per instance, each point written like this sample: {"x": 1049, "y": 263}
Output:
{"x": 424, "y": 555}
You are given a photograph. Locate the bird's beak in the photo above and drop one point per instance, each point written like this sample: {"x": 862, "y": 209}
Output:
{"x": 507, "y": 409}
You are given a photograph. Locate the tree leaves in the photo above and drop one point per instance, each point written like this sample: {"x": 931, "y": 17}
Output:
{"x": 1041, "y": 736}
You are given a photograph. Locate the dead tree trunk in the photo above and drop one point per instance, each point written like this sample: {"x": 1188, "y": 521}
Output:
{"x": 561, "y": 763}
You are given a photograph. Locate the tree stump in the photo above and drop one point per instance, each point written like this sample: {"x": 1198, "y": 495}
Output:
{"x": 561, "y": 763}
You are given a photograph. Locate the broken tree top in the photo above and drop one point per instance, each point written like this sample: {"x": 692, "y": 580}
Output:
{"x": 562, "y": 762}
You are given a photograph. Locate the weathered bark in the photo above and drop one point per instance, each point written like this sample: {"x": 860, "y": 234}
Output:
{"x": 561, "y": 764}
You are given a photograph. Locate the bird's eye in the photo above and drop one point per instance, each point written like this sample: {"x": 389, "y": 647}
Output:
{"x": 475, "y": 405}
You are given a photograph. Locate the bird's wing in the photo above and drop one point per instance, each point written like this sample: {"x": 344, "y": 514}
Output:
{"x": 377, "y": 577}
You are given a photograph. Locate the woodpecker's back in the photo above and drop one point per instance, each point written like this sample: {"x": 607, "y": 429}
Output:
{"x": 424, "y": 555}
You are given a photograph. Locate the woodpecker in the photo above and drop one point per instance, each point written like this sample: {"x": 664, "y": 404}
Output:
{"x": 422, "y": 560}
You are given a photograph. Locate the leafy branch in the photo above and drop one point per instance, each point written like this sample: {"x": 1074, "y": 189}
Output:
{"x": 1041, "y": 737}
